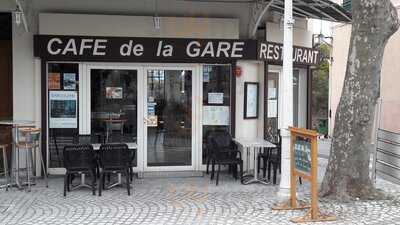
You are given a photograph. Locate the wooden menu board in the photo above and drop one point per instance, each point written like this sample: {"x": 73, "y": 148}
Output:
{"x": 304, "y": 164}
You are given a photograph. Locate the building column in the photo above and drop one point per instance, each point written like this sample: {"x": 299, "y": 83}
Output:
{"x": 287, "y": 99}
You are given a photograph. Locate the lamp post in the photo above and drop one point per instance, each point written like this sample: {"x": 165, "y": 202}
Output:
{"x": 286, "y": 107}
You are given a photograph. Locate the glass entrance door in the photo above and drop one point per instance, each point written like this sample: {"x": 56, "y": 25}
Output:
{"x": 168, "y": 119}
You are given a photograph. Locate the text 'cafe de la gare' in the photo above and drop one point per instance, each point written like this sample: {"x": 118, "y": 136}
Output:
{"x": 164, "y": 94}
{"x": 146, "y": 48}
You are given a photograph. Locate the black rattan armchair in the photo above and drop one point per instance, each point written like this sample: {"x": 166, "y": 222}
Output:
{"x": 225, "y": 152}
{"x": 115, "y": 158}
{"x": 271, "y": 158}
{"x": 79, "y": 159}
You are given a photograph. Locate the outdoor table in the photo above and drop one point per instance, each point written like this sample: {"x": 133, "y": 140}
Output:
{"x": 109, "y": 122}
{"x": 15, "y": 154}
{"x": 96, "y": 147}
{"x": 255, "y": 145}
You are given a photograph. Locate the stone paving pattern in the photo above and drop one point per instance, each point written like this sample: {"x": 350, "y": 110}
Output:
{"x": 180, "y": 201}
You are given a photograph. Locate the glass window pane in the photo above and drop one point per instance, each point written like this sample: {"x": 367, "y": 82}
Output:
{"x": 216, "y": 101}
{"x": 169, "y": 140}
{"x": 63, "y": 102}
{"x": 114, "y": 105}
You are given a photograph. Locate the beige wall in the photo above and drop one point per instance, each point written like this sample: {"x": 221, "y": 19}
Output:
{"x": 390, "y": 77}
{"x": 341, "y": 41}
{"x": 301, "y": 36}
{"x": 137, "y": 26}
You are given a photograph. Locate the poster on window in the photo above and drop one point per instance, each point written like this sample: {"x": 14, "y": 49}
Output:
{"x": 63, "y": 109}
{"x": 216, "y": 115}
{"x": 54, "y": 81}
{"x": 250, "y": 100}
{"x": 69, "y": 81}
{"x": 215, "y": 98}
{"x": 114, "y": 92}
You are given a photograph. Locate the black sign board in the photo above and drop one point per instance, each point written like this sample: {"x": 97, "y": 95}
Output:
{"x": 126, "y": 49}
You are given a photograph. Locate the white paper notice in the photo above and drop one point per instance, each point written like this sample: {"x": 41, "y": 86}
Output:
{"x": 216, "y": 115}
{"x": 271, "y": 93}
{"x": 272, "y": 108}
{"x": 251, "y": 106}
{"x": 63, "y": 109}
{"x": 215, "y": 98}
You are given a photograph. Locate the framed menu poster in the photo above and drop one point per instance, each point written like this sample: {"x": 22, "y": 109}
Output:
{"x": 63, "y": 111}
{"x": 250, "y": 100}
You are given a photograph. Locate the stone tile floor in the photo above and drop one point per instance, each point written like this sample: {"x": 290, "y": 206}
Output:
{"x": 177, "y": 201}
{"x": 181, "y": 201}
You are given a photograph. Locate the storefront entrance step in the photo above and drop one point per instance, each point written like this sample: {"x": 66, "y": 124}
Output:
{"x": 170, "y": 174}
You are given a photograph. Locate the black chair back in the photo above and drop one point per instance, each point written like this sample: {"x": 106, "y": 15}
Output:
{"x": 115, "y": 156}
{"x": 79, "y": 157}
{"x": 87, "y": 139}
{"x": 222, "y": 140}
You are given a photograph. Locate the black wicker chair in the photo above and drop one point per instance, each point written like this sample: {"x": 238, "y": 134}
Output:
{"x": 131, "y": 162}
{"x": 271, "y": 158}
{"x": 225, "y": 152}
{"x": 115, "y": 158}
{"x": 79, "y": 159}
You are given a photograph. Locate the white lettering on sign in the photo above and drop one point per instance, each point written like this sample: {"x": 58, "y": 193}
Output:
{"x": 223, "y": 47}
{"x": 263, "y": 51}
{"x": 305, "y": 56}
{"x": 274, "y": 52}
{"x": 99, "y": 47}
{"x": 49, "y": 46}
{"x": 212, "y": 49}
{"x": 277, "y": 48}
{"x": 164, "y": 50}
{"x": 85, "y": 45}
{"x": 70, "y": 47}
{"x": 237, "y": 50}
{"x": 193, "y": 52}
{"x": 128, "y": 49}
{"x": 209, "y": 49}
{"x": 138, "y": 50}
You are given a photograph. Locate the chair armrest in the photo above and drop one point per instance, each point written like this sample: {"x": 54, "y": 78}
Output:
{"x": 237, "y": 151}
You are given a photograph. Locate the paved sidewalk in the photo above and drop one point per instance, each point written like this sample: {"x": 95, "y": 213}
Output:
{"x": 175, "y": 201}
{"x": 180, "y": 201}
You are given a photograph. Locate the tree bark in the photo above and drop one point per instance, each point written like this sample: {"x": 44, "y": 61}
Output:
{"x": 347, "y": 174}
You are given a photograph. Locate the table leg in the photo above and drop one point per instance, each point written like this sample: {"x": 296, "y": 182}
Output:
{"x": 255, "y": 163}
{"x": 16, "y": 152}
{"x": 119, "y": 182}
{"x": 254, "y": 179}
{"x": 82, "y": 184}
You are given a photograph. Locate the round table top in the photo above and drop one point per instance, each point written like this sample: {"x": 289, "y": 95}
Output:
{"x": 17, "y": 122}
{"x": 256, "y": 142}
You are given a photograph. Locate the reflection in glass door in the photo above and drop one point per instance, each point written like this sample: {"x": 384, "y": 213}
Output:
{"x": 169, "y": 117}
{"x": 272, "y": 104}
{"x": 114, "y": 105}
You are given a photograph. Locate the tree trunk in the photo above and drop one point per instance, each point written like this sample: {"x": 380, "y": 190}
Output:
{"x": 347, "y": 175}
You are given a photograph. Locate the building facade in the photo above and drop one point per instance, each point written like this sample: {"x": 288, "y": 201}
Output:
{"x": 159, "y": 74}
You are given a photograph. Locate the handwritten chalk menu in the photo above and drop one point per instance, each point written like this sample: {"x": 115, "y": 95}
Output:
{"x": 302, "y": 155}
{"x": 216, "y": 115}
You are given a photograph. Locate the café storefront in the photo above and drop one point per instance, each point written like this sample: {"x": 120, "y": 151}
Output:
{"x": 162, "y": 94}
